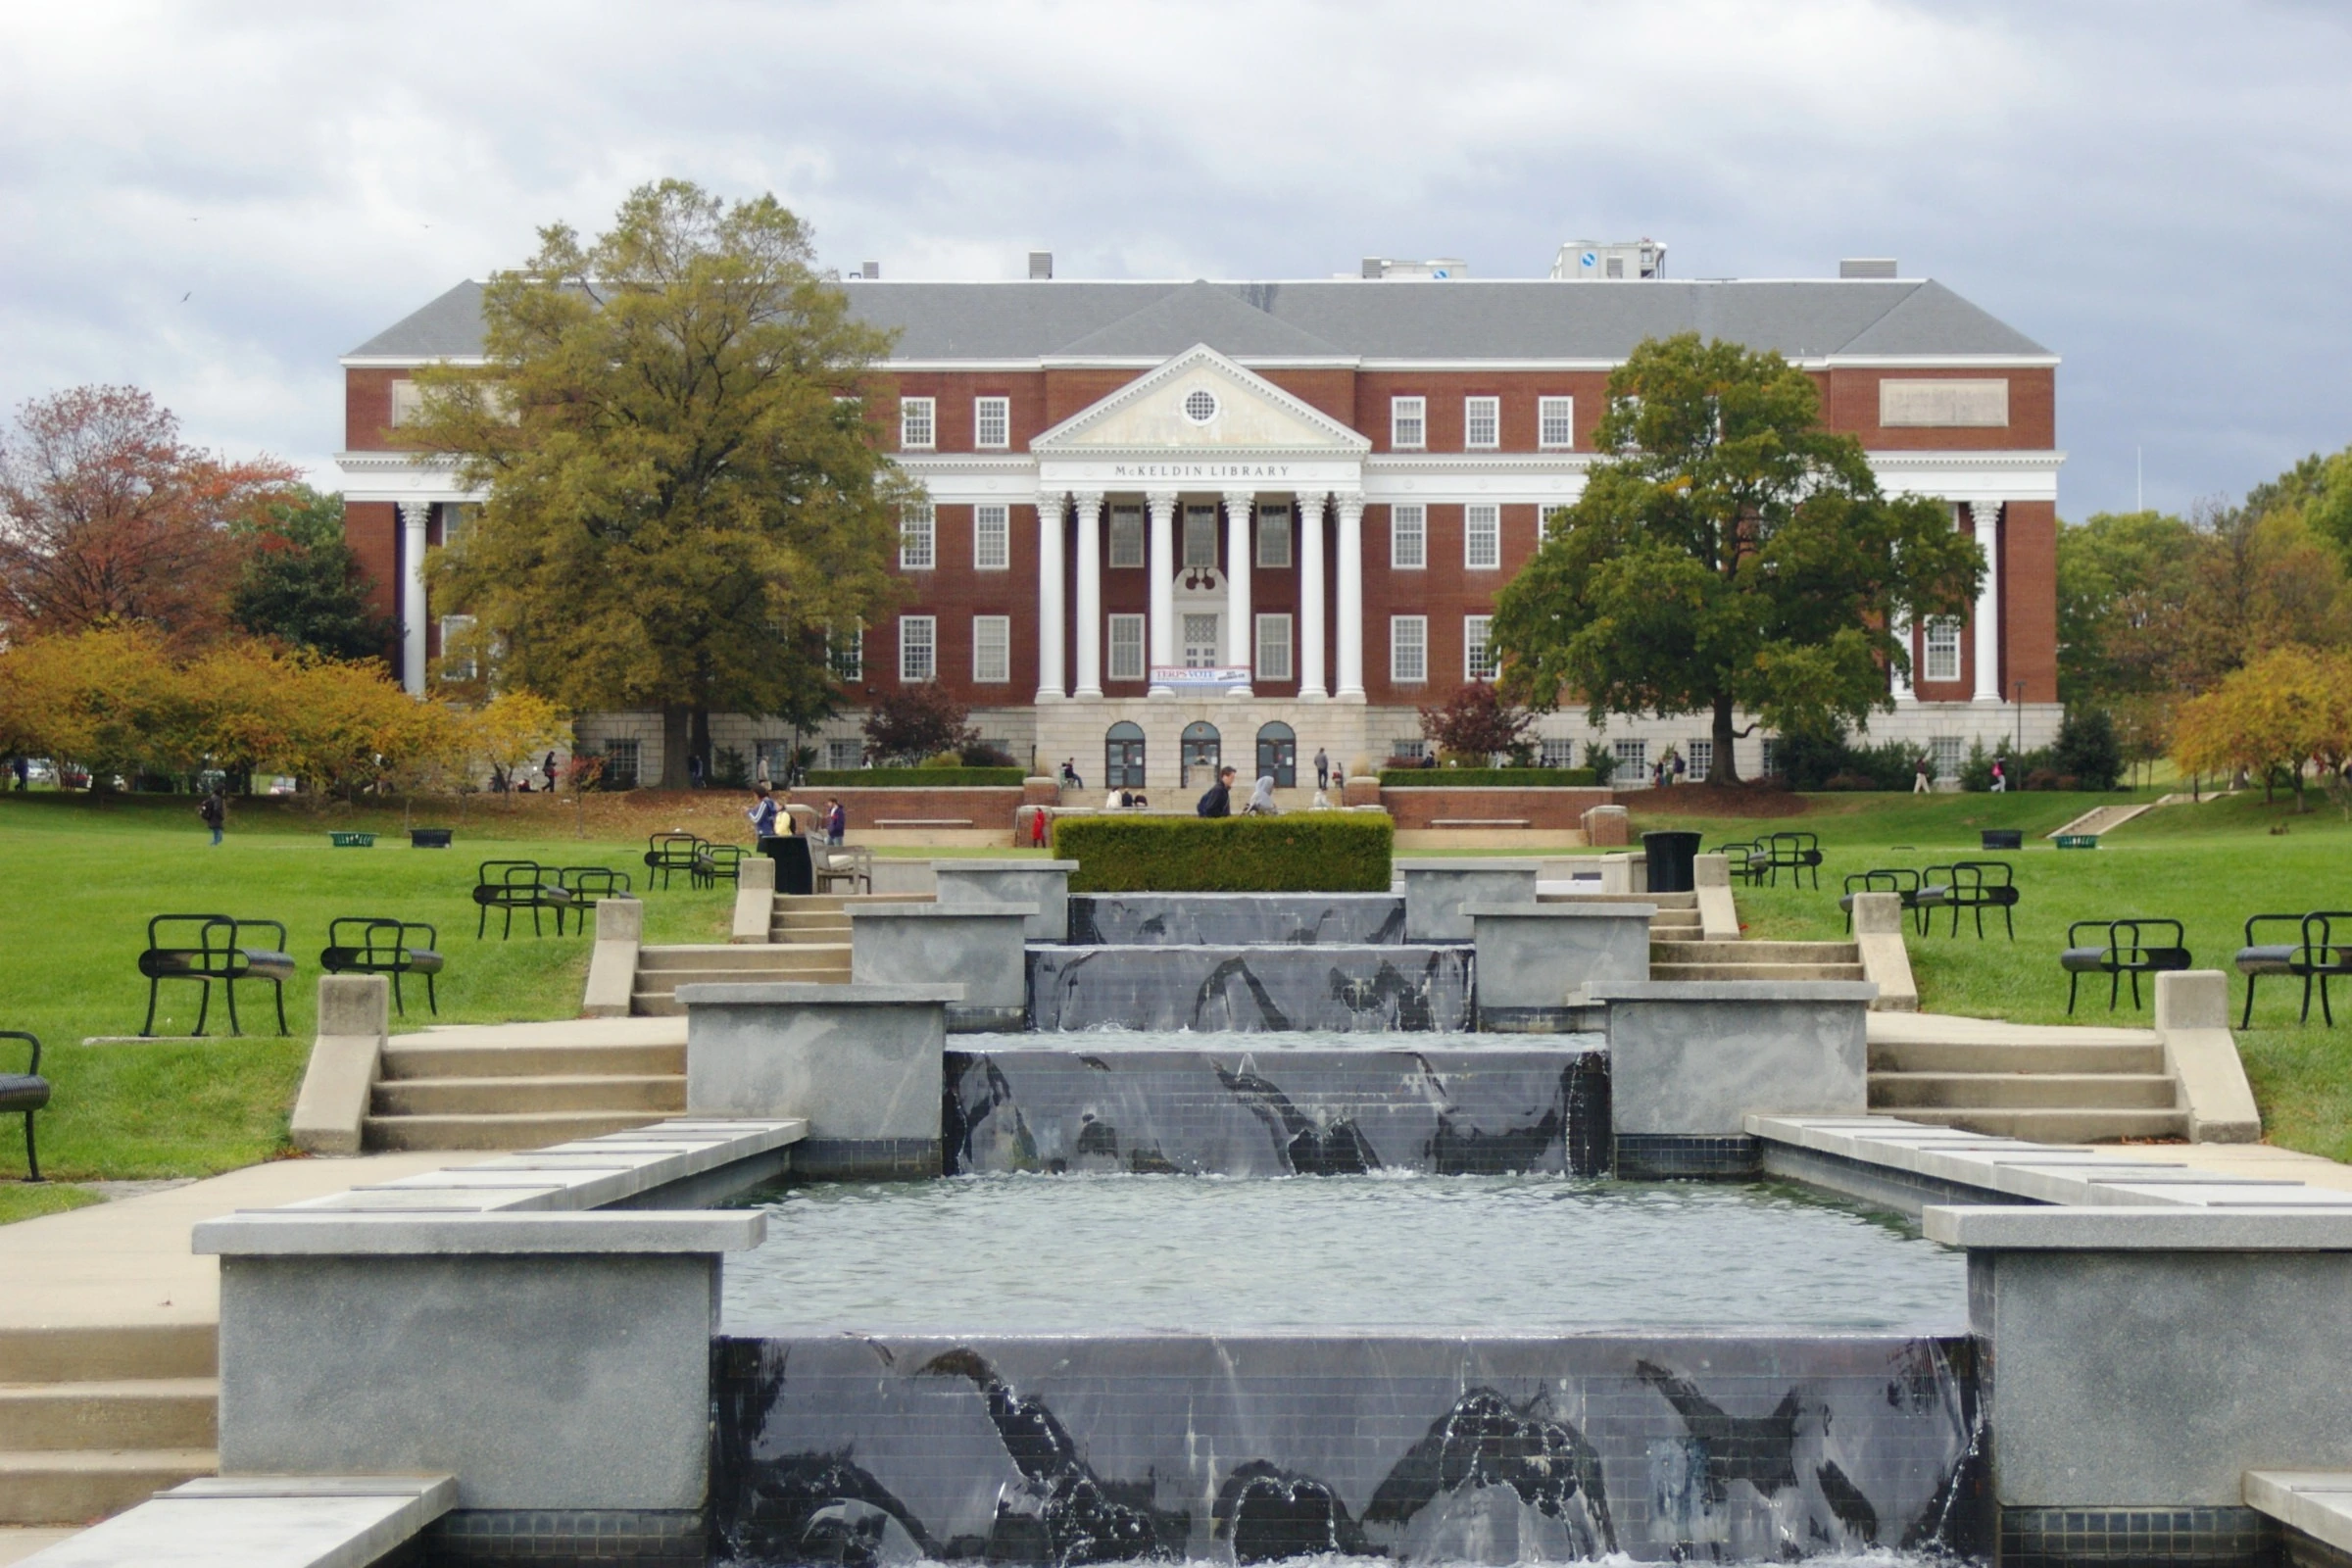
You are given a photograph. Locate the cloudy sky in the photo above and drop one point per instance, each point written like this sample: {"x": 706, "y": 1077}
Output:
{"x": 216, "y": 200}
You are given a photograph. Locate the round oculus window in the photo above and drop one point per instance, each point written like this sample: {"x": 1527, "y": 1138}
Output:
{"x": 1200, "y": 406}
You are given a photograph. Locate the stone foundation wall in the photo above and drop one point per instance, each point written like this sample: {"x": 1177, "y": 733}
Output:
{"x": 1417, "y": 805}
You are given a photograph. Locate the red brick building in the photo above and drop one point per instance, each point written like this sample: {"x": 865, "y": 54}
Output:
{"x": 1171, "y": 521}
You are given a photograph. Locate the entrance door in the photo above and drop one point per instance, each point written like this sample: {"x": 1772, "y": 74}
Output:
{"x": 1200, "y": 642}
{"x": 1123, "y": 756}
{"x": 1278, "y": 755}
{"x": 1200, "y": 753}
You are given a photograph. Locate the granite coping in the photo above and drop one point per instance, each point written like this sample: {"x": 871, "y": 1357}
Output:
{"x": 263, "y": 1522}
{"x": 1561, "y": 911}
{"x": 2318, "y": 1502}
{"x": 2069, "y": 1229}
{"x": 1004, "y": 866}
{"x": 585, "y": 1175}
{"x": 806, "y": 993}
{"x": 940, "y": 912}
{"x": 1733, "y": 991}
{"x": 1469, "y": 864}
{"x": 311, "y": 1233}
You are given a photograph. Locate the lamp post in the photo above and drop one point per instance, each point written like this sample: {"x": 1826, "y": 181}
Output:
{"x": 2021, "y": 716}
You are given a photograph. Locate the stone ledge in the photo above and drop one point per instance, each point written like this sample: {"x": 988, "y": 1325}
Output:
{"x": 2141, "y": 1230}
{"x": 1023, "y": 865}
{"x": 2318, "y": 1502}
{"x": 347, "y": 1234}
{"x": 264, "y": 1522}
{"x": 939, "y": 911}
{"x": 1736, "y": 991}
{"x": 1561, "y": 911}
{"x": 789, "y": 993}
{"x": 1469, "y": 864}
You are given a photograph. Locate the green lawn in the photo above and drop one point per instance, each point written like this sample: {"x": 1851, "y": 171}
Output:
{"x": 2207, "y": 865}
{"x": 84, "y": 880}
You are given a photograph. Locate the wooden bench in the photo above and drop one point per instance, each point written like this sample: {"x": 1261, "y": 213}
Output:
{"x": 213, "y": 947}
{"x": 361, "y": 943}
{"x": 25, "y": 1092}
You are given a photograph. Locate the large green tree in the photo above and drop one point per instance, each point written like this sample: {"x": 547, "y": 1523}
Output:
{"x": 684, "y": 487}
{"x": 1728, "y": 555}
{"x": 302, "y": 583}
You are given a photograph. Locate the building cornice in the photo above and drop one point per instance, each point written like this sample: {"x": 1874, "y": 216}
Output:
{"x": 402, "y": 476}
{"x": 1445, "y": 367}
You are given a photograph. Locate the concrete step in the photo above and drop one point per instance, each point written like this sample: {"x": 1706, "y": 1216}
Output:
{"x": 778, "y": 937}
{"x": 106, "y": 1351}
{"x": 729, "y": 956}
{"x": 490, "y": 1097}
{"x": 1756, "y": 971}
{"x": 402, "y": 1062}
{"x": 2068, "y": 1126}
{"x": 142, "y": 1413}
{"x": 665, "y": 983}
{"x": 1983, "y": 1057}
{"x": 790, "y": 913}
{"x": 1668, "y": 951}
{"x": 532, "y": 1130}
{"x": 81, "y": 1486}
{"x": 1667, "y": 903}
{"x": 2022, "y": 1091}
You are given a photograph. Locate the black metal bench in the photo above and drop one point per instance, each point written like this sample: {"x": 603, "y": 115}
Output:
{"x": 214, "y": 949}
{"x": 714, "y": 863}
{"x": 1745, "y": 859}
{"x": 1978, "y": 885}
{"x": 588, "y": 883}
{"x": 2315, "y": 955}
{"x": 359, "y": 944}
{"x": 25, "y": 1092}
{"x": 1795, "y": 853}
{"x": 665, "y": 852}
{"x": 1916, "y": 892}
{"x": 510, "y": 885}
{"x": 2126, "y": 952}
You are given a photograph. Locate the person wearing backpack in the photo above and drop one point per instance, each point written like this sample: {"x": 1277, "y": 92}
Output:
{"x": 213, "y": 813}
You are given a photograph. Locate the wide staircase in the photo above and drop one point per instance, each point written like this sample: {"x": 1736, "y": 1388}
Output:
{"x": 661, "y": 971}
{"x": 1687, "y": 960}
{"x": 1676, "y": 920}
{"x": 522, "y": 1086}
{"x": 2053, "y": 1085}
{"x": 94, "y": 1421}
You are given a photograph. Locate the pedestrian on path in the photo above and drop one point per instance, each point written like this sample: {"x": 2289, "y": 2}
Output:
{"x": 1322, "y": 770}
{"x": 1919, "y": 778}
{"x": 214, "y": 813}
{"x": 763, "y": 814}
{"x": 1217, "y": 800}
{"x": 2000, "y": 777}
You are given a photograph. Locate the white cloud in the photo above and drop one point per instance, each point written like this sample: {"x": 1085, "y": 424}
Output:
{"x": 2158, "y": 191}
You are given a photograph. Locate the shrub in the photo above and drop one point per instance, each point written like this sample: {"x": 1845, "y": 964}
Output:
{"x": 920, "y": 721}
{"x": 1478, "y": 721}
{"x": 2088, "y": 749}
{"x": 1487, "y": 778}
{"x": 912, "y": 778}
{"x": 1825, "y": 760}
{"x": 1314, "y": 851}
{"x": 1599, "y": 762}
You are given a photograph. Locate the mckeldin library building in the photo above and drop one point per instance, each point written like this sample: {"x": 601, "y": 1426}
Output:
{"x": 1177, "y": 523}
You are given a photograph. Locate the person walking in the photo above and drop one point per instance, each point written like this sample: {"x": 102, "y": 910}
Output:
{"x": 1919, "y": 778}
{"x": 763, "y": 813}
{"x": 1217, "y": 800}
{"x": 1322, "y": 770}
{"x": 2000, "y": 777}
{"x": 837, "y": 821}
{"x": 214, "y": 813}
{"x": 1262, "y": 797}
{"x": 549, "y": 768}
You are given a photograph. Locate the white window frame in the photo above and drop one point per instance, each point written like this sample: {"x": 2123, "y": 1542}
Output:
{"x": 918, "y": 537}
{"x": 1408, "y": 650}
{"x": 918, "y": 424}
{"x": 408, "y": 403}
{"x": 1408, "y": 423}
{"x": 1554, "y": 751}
{"x": 456, "y": 627}
{"x": 1274, "y": 536}
{"x": 991, "y": 537}
{"x": 1209, "y": 533}
{"x": 1939, "y": 651}
{"x": 1408, "y": 536}
{"x": 1698, "y": 757}
{"x": 918, "y": 649}
{"x": 1634, "y": 755}
{"x": 1555, "y": 423}
{"x": 1478, "y": 647}
{"x": 1126, "y": 551}
{"x": 991, "y": 424}
{"x": 1126, "y": 640}
{"x": 992, "y": 650}
{"x": 1272, "y": 648}
{"x": 845, "y": 655}
{"x": 1947, "y": 755}
{"x": 1481, "y": 524}
{"x": 1477, "y": 411}
{"x": 841, "y": 755}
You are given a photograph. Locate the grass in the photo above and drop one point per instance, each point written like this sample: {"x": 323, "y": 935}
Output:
{"x": 84, "y": 877}
{"x": 19, "y": 1200}
{"x": 2208, "y": 865}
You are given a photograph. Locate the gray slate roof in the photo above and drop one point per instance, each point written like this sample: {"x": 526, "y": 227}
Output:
{"x": 1461, "y": 318}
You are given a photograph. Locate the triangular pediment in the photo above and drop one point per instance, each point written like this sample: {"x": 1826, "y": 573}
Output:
{"x": 1161, "y": 411}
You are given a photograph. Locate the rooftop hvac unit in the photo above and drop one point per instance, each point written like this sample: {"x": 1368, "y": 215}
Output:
{"x": 1620, "y": 260}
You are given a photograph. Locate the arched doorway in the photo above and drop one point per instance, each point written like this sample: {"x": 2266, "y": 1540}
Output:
{"x": 1123, "y": 756}
{"x": 1278, "y": 755}
{"x": 1199, "y": 754}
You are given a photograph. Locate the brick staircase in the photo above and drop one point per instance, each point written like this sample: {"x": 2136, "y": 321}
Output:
{"x": 520, "y": 1086}
{"x": 2051, "y": 1085}
{"x": 93, "y": 1421}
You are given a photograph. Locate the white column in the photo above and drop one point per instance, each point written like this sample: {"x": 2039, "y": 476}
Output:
{"x": 1089, "y": 593}
{"x": 1351, "y": 597}
{"x": 1986, "y": 515}
{"x": 414, "y": 516}
{"x": 1240, "y": 552}
{"x": 1051, "y": 687}
{"x": 1311, "y": 687}
{"x": 1902, "y": 630}
{"x": 1160, "y": 633}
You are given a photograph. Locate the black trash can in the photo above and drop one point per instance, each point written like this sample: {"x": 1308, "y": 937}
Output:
{"x": 796, "y": 867}
{"x": 1672, "y": 861}
{"x": 2004, "y": 838}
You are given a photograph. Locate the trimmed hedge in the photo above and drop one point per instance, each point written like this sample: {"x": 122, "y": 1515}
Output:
{"x": 1311, "y": 851}
{"x": 913, "y": 778}
{"x": 1487, "y": 778}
